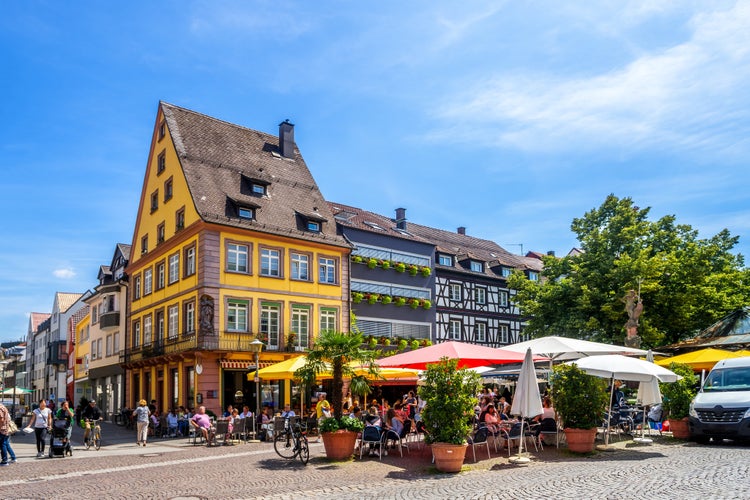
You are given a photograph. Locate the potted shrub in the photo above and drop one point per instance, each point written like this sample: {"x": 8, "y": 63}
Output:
{"x": 335, "y": 351}
{"x": 372, "y": 298}
{"x": 413, "y": 269}
{"x": 372, "y": 263}
{"x": 413, "y": 303}
{"x": 291, "y": 341}
{"x": 402, "y": 343}
{"x": 386, "y": 299}
{"x": 579, "y": 399}
{"x": 385, "y": 264}
{"x": 676, "y": 399}
{"x": 400, "y": 301}
{"x": 450, "y": 397}
{"x": 357, "y": 259}
{"x": 400, "y": 267}
{"x": 426, "y": 271}
{"x": 426, "y": 304}
{"x": 414, "y": 344}
{"x": 357, "y": 297}
{"x": 426, "y": 342}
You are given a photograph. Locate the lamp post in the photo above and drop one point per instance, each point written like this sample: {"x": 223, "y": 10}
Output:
{"x": 256, "y": 346}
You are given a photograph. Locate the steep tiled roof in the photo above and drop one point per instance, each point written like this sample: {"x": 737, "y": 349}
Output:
{"x": 215, "y": 155}
{"x": 66, "y": 299}
{"x": 349, "y": 216}
{"x": 468, "y": 246}
{"x": 124, "y": 250}
{"x": 461, "y": 245}
{"x": 36, "y": 319}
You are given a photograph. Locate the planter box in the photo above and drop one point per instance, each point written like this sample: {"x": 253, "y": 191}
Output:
{"x": 580, "y": 440}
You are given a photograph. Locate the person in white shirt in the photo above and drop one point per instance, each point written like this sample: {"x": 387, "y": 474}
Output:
{"x": 41, "y": 421}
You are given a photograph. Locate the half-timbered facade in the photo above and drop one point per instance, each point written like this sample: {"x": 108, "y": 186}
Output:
{"x": 472, "y": 300}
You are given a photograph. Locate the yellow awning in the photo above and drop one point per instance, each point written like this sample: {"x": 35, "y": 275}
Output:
{"x": 283, "y": 370}
{"x": 704, "y": 359}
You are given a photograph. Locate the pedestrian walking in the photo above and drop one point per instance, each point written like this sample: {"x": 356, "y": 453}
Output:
{"x": 41, "y": 422}
{"x": 7, "y": 451}
{"x": 141, "y": 419}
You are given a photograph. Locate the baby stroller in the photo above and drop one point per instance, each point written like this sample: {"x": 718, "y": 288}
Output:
{"x": 59, "y": 443}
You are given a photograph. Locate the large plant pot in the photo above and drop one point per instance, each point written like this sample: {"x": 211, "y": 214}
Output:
{"x": 680, "y": 428}
{"x": 580, "y": 440}
{"x": 339, "y": 445}
{"x": 449, "y": 457}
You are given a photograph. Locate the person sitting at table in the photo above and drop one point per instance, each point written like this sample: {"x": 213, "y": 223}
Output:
{"x": 490, "y": 418}
{"x": 202, "y": 422}
{"x": 547, "y": 420}
{"x": 394, "y": 427}
{"x": 172, "y": 423}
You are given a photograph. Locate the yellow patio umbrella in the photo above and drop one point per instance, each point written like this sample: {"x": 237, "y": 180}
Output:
{"x": 704, "y": 359}
{"x": 283, "y": 370}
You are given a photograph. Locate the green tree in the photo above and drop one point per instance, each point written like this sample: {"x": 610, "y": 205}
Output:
{"x": 686, "y": 283}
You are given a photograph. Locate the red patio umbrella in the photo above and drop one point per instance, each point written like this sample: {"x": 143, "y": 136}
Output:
{"x": 468, "y": 356}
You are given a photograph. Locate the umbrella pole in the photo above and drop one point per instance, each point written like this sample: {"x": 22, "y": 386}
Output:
{"x": 609, "y": 415}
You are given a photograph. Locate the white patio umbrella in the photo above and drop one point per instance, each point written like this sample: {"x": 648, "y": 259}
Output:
{"x": 617, "y": 367}
{"x": 526, "y": 402}
{"x": 648, "y": 394}
{"x": 566, "y": 349}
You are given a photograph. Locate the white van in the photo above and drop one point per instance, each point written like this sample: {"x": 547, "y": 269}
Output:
{"x": 722, "y": 407}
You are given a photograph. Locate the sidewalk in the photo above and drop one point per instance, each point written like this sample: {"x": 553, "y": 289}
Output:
{"x": 116, "y": 440}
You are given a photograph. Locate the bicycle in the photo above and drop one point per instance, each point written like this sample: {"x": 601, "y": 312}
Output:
{"x": 95, "y": 435}
{"x": 291, "y": 441}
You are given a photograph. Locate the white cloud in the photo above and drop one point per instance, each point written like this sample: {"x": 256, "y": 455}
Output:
{"x": 690, "y": 97}
{"x": 65, "y": 273}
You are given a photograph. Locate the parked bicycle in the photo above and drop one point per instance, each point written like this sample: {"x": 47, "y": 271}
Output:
{"x": 95, "y": 435}
{"x": 290, "y": 441}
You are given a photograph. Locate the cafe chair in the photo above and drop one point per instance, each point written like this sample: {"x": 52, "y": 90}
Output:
{"x": 480, "y": 438}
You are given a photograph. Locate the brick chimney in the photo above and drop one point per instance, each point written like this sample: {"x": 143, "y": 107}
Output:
{"x": 401, "y": 218}
{"x": 286, "y": 139}
{"x": 462, "y": 230}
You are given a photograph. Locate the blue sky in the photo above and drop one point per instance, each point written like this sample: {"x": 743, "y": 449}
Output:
{"x": 509, "y": 119}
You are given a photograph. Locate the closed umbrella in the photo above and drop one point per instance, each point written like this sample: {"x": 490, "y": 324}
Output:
{"x": 526, "y": 402}
{"x": 648, "y": 394}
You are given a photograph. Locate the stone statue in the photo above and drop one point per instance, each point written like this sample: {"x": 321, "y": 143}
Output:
{"x": 207, "y": 315}
{"x": 634, "y": 308}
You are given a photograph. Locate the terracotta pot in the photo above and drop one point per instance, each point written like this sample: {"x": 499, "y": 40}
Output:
{"x": 339, "y": 445}
{"x": 449, "y": 457}
{"x": 580, "y": 440}
{"x": 680, "y": 428}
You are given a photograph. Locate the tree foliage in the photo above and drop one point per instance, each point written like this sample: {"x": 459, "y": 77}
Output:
{"x": 686, "y": 283}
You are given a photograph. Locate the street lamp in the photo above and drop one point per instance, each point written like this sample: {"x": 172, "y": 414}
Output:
{"x": 256, "y": 346}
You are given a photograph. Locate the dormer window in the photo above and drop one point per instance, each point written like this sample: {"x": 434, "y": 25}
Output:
{"x": 246, "y": 213}
{"x": 533, "y": 276}
{"x": 445, "y": 260}
{"x": 313, "y": 226}
{"x": 257, "y": 187}
{"x": 476, "y": 266}
{"x": 506, "y": 272}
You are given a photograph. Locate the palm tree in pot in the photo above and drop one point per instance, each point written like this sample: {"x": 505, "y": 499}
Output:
{"x": 340, "y": 353}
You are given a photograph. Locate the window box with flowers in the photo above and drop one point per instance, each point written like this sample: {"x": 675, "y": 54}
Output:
{"x": 400, "y": 267}
{"x": 426, "y": 304}
{"x": 372, "y": 298}
{"x": 414, "y": 303}
{"x": 413, "y": 269}
{"x": 386, "y": 299}
{"x": 426, "y": 271}
{"x": 357, "y": 259}
{"x": 385, "y": 264}
{"x": 372, "y": 263}
{"x": 357, "y": 297}
{"x": 400, "y": 301}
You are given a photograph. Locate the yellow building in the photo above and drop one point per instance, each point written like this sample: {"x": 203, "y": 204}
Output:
{"x": 82, "y": 354}
{"x": 233, "y": 242}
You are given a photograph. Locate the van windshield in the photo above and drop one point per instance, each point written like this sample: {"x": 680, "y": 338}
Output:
{"x": 728, "y": 379}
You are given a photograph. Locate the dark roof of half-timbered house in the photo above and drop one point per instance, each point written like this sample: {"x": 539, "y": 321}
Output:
{"x": 462, "y": 247}
{"x": 222, "y": 161}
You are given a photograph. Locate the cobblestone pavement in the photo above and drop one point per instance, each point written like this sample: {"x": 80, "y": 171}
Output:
{"x": 173, "y": 468}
